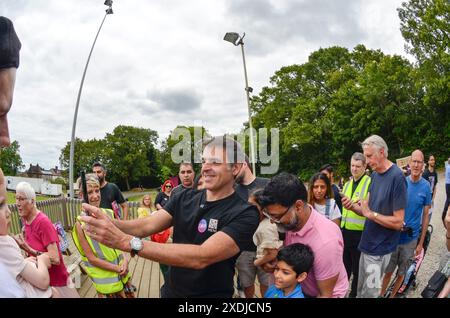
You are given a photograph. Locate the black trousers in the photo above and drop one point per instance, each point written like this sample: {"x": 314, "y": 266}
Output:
{"x": 351, "y": 257}
{"x": 447, "y": 202}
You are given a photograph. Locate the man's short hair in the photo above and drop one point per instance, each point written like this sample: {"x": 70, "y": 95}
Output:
{"x": 284, "y": 189}
{"x": 91, "y": 180}
{"x": 297, "y": 255}
{"x": 9, "y": 44}
{"x": 326, "y": 167}
{"x": 377, "y": 142}
{"x": 187, "y": 164}
{"x": 233, "y": 149}
{"x": 357, "y": 156}
{"x": 99, "y": 164}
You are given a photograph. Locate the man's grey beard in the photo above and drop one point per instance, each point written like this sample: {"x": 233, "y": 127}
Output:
{"x": 292, "y": 225}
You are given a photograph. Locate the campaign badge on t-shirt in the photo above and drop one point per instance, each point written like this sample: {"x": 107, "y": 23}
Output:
{"x": 202, "y": 226}
{"x": 212, "y": 227}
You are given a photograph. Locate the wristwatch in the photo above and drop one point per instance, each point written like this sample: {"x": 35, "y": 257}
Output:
{"x": 136, "y": 245}
{"x": 375, "y": 214}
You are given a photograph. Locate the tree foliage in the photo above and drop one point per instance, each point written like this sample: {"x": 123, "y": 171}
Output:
{"x": 183, "y": 141}
{"x": 129, "y": 154}
{"x": 10, "y": 160}
{"x": 329, "y": 104}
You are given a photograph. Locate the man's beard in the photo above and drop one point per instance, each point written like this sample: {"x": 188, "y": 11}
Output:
{"x": 292, "y": 225}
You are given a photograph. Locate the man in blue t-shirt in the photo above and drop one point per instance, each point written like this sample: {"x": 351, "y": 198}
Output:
{"x": 416, "y": 224}
{"x": 384, "y": 212}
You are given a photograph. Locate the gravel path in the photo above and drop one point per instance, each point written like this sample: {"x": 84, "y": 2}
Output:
{"x": 437, "y": 247}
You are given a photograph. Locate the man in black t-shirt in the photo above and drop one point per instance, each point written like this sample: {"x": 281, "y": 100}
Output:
{"x": 186, "y": 174}
{"x": 246, "y": 184}
{"x": 210, "y": 228}
{"x": 110, "y": 193}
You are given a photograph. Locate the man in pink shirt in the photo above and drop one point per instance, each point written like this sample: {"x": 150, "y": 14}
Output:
{"x": 284, "y": 203}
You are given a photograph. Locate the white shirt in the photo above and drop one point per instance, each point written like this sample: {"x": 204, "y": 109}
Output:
{"x": 334, "y": 212}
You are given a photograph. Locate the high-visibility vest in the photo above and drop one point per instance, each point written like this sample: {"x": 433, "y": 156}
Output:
{"x": 105, "y": 282}
{"x": 350, "y": 220}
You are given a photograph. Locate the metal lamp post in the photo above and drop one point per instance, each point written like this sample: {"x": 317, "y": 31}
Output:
{"x": 236, "y": 40}
{"x": 72, "y": 140}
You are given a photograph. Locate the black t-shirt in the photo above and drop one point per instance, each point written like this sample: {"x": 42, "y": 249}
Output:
{"x": 337, "y": 196}
{"x": 179, "y": 188}
{"x": 244, "y": 191}
{"x": 431, "y": 177}
{"x": 110, "y": 193}
{"x": 162, "y": 199}
{"x": 194, "y": 221}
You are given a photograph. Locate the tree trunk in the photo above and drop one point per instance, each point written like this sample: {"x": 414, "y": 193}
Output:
{"x": 127, "y": 183}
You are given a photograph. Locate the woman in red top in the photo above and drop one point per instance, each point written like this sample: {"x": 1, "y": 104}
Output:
{"x": 41, "y": 237}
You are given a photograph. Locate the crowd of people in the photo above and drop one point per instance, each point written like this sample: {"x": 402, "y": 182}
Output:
{"x": 299, "y": 241}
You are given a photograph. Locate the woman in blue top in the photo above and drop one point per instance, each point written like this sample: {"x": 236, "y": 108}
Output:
{"x": 293, "y": 264}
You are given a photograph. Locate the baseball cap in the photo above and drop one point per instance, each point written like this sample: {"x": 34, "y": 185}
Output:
{"x": 9, "y": 44}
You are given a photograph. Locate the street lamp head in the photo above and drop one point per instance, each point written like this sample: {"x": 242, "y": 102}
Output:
{"x": 232, "y": 37}
{"x": 109, "y": 4}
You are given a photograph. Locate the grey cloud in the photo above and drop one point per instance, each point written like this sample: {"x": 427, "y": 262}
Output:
{"x": 178, "y": 101}
{"x": 321, "y": 22}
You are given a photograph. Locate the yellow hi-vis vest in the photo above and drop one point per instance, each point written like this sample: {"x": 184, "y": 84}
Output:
{"x": 350, "y": 220}
{"x": 105, "y": 282}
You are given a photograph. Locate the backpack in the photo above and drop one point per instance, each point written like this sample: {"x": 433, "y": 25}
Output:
{"x": 63, "y": 241}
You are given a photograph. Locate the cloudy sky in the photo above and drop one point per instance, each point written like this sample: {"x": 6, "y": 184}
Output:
{"x": 160, "y": 63}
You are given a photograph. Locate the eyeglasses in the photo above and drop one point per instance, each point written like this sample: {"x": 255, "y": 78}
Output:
{"x": 168, "y": 186}
{"x": 275, "y": 219}
{"x": 417, "y": 162}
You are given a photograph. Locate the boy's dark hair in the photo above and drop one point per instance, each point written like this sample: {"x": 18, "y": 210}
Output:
{"x": 327, "y": 167}
{"x": 284, "y": 189}
{"x": 297, "y": 255}
{"x": 99, "y": 164}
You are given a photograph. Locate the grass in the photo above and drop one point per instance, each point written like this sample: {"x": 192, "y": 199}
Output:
{"x": 138, "y": 198}
{"x": 11, "y": 198}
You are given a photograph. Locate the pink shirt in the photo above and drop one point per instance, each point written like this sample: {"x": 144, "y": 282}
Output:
{"x": 324, "y": 237}
{"x": 40, "y": 234}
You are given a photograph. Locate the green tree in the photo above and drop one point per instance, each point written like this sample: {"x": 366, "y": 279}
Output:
{"x": 181, "y": 139}
{"x": 10, "y": 160}
{"x": 326, "y": 106}
{"x": 425, "y": 25}
{"x": 85, "y": 154}
{"x": 129, "y": 152}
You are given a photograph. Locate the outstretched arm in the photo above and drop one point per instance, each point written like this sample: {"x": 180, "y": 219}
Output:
{"x": 94, "y": 260}
{"x": 143, "y": 227}
{"x": 218, "y": 247}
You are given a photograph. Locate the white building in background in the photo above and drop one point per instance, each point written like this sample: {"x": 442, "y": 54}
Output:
{"x": 40, "y": 186}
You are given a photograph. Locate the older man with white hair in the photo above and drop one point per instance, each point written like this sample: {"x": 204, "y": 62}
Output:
{"x": 384, "y": 211}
